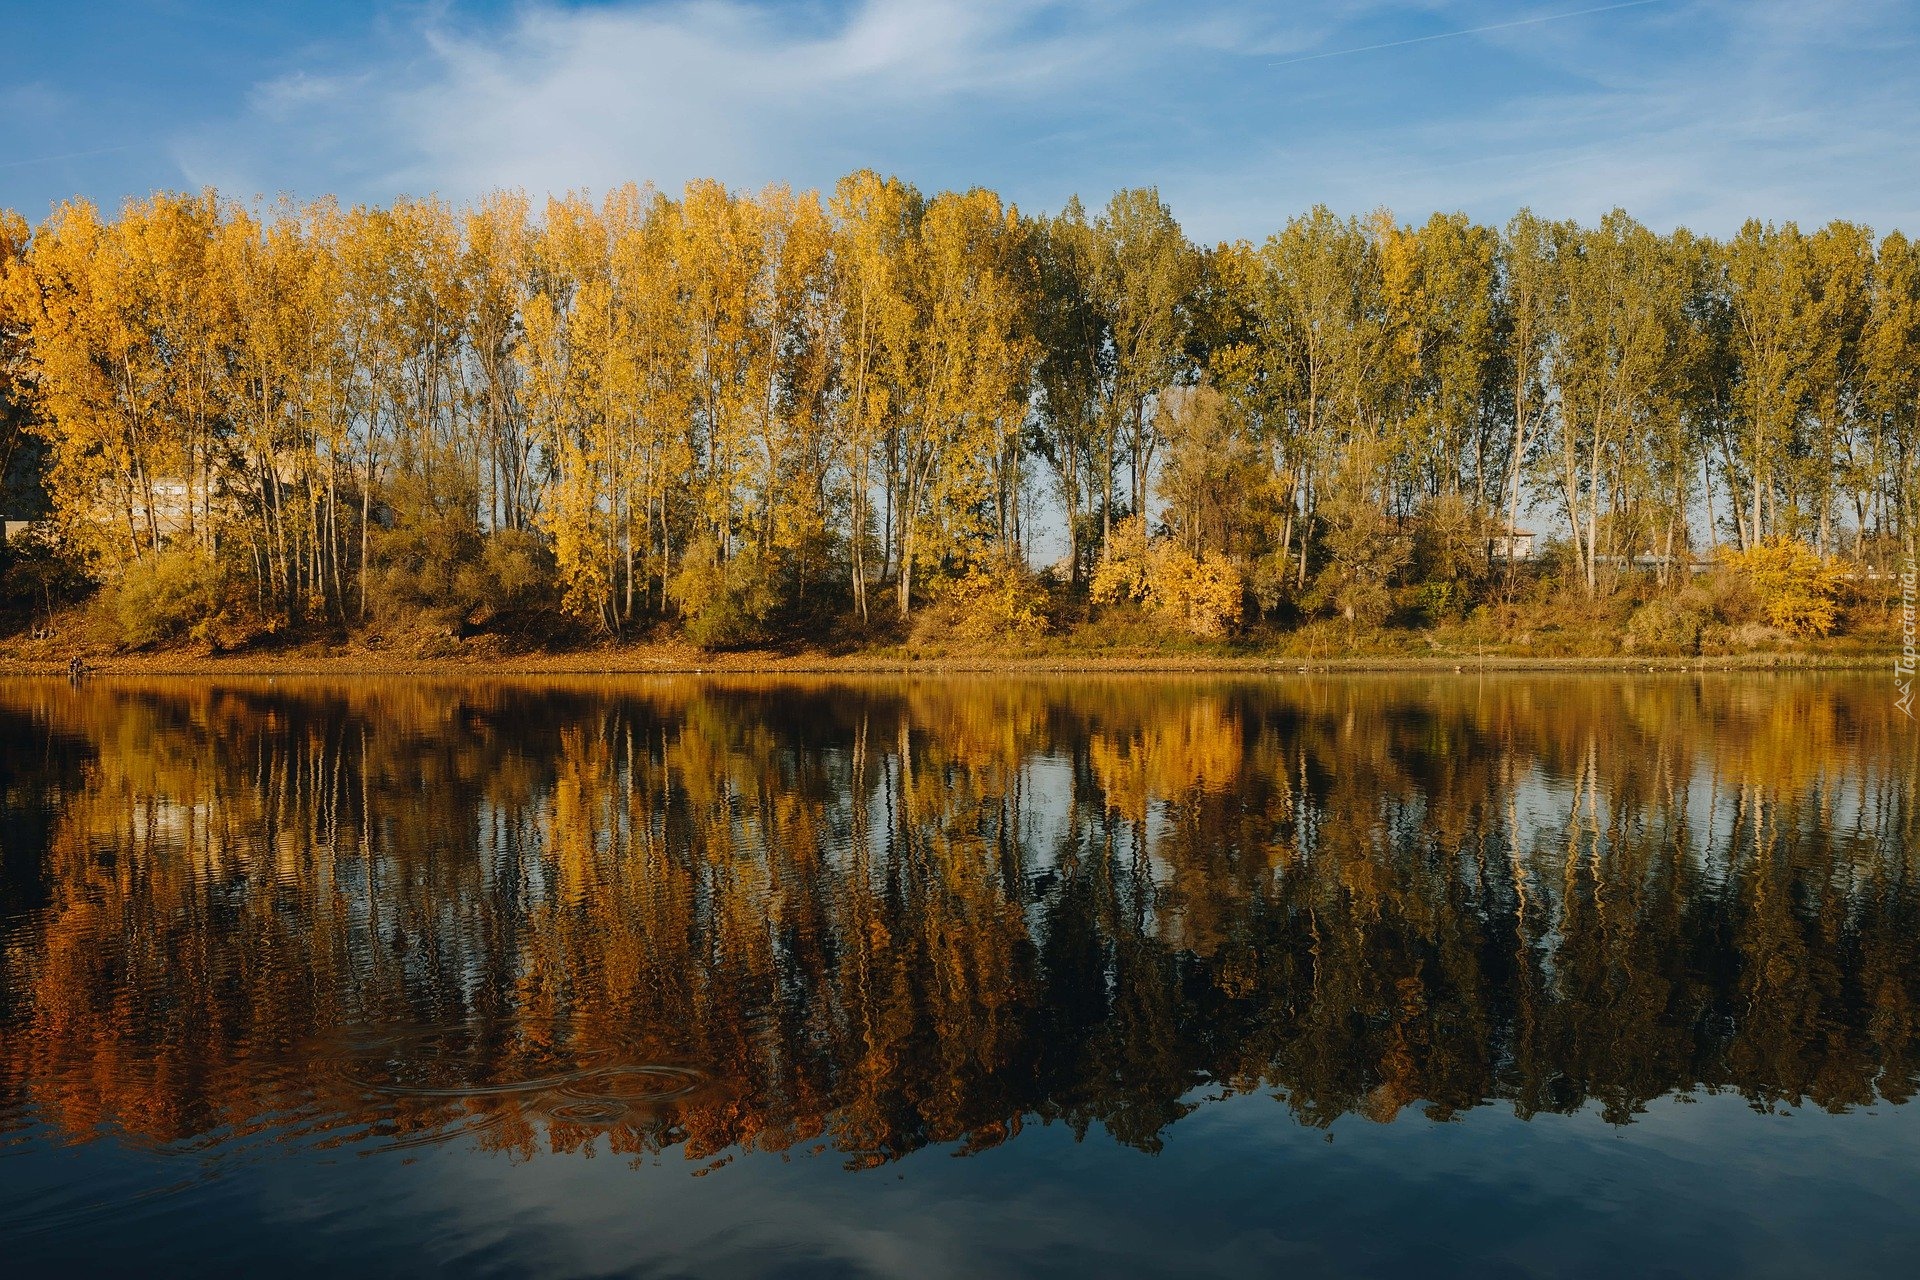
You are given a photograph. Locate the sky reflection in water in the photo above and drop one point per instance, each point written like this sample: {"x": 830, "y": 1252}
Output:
{"x": 1515, "y": 976}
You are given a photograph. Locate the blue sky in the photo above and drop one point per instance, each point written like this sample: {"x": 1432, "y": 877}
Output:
{"x": 1701, "y": 112}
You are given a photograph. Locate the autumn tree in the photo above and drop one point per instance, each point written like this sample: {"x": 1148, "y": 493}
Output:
{"x": 871, "y": 324}
{"x": 1888, "y": 458}
{"x": 1141, "y": 275}
{"x": 1798, "y": 303}
{"x": 1439, "y": 300}
{"x": 723, "y": 409}
{"x": 1068, "y": 433}
{"x": 19, "y": 452}
{"x": 1318, "y": 310}
{"x": 1617, "y": 342}
{"x": 1528, "y": 300}
{"x": 971, "y": 362}
{"x": 1217, "y": 492}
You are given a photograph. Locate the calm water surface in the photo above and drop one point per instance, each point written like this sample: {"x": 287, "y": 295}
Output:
{"x": 1368, "y": 976}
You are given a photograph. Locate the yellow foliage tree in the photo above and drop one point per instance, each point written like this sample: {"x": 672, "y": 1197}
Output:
{"x": 1203, "y": 593}
{"x": 974, "y": 358}
{"x": 1797, "y": 587}
{"x": 120, "y": 357}
{"x": 873, "y": 326}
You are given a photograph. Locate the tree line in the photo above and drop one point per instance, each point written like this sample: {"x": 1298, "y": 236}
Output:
{"x": 727, "y": 408}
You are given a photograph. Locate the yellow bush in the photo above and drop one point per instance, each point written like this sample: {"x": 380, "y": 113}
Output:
{"x": 1797, "y": 589}
{"x": 1124, "y": 572}
{"x": 1201, "y": 594}
{"x": 996, "y": 600}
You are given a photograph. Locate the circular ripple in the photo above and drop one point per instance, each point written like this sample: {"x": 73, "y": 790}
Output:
{"x": 628, "y": 1084}
{"x": 446, "y": 1062}
{"x": 444, "y": 1133}
{"x": 588, "y": 1112}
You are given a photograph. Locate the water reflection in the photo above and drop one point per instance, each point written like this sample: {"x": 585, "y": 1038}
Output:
{"x": 718, "y": 917}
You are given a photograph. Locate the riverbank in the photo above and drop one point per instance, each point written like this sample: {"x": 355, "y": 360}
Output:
{"x": 666, "y": 658}
{"x": 1113, "y": 646}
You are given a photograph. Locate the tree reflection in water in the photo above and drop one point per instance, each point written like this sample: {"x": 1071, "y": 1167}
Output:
{"x": 867, "y": 917}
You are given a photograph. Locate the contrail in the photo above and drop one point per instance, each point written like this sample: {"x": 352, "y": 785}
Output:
{"x": 71, "y": 155}
{"x": 1470, "y": 31}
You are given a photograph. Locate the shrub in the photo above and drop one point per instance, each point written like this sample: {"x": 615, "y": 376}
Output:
{"x": 177, "y": 591}
{"x": 515, "y": 571}
{"x": 1727, "y": 595}
{"x": 1440, "y": 601}
{"x": 38, "y": 573}
{"x": 1124, "y": 571}
{"x": 1797, "y": 589}
{"x": 1001, "y": 599}
{"x": 422, "y": 566}
{"x": 722, "y": 601}
{"x": 1271, "y": 580}
{"x": 441, "y": 568}
{"x": 1449, "y": 544}
{"x": 1556, "y": 564}
{"x": 1665, "y": 625}
{"x": 1747, "y": 637}
{"x": 1202, "y": 594}
{"x": 1363, "y": 551}
{"x": 429, "y": 558}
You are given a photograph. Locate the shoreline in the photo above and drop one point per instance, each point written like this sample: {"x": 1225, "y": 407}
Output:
{"x": 681, "y": 660}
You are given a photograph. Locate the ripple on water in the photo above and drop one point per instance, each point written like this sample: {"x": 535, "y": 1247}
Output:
{"x": 451, "y": 1064}
{"x": 457, "y": 1061}
{"x": 64, "y": 1195}
{"x": 592, "y": 1113}
{"x": 632, "y": 1083}
{"x": 465, "y": 1127}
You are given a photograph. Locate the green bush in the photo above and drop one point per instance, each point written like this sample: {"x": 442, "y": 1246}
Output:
{"x": 38, "y": 574}
{"x": 1440, "y": 601}
{"x": 514, "y": 571}
{"x": 175, "y": 592}
{"x": 722, "y": 602}
{"x": 1363, "y": 552}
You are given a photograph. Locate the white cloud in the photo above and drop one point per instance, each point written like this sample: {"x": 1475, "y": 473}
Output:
{"x": 569, "y": 98}
{"x": 1697, "y": 111}
{"x": 1718, "y": 111}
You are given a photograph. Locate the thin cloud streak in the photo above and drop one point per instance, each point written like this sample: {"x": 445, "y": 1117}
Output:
{"x": 1469, "y": 31}
{"x": 69, "y": 155}
{"x": 1703, "y": 113}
